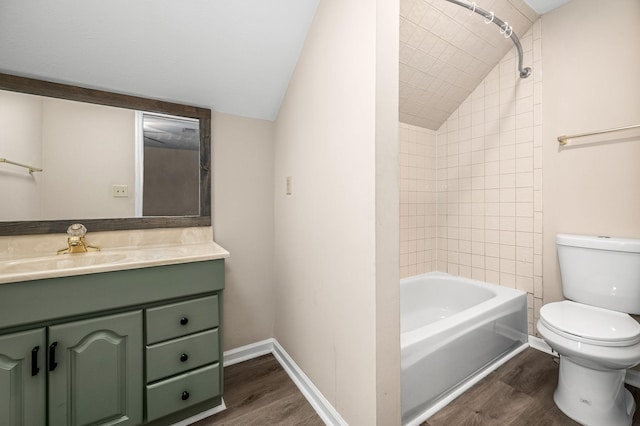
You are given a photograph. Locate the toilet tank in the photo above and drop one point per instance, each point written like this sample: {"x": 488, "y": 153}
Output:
{"x": 601, "y": 271}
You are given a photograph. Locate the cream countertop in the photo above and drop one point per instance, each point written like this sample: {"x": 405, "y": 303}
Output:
{"x": 24, "y": 261}
{"x": 106, "y": 260}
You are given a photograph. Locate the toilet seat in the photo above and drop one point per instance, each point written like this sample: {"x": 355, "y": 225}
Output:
{"x": 589, "y": 324}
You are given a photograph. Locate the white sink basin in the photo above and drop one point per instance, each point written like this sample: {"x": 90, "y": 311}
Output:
{"x": 25, "y": 269}
{"x": 64, "y": 261}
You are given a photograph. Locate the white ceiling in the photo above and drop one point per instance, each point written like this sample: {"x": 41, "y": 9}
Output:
{"x": 234, "y": 56}
{"x": 544, "y": 6}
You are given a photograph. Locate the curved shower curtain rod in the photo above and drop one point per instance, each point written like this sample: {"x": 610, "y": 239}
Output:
{"x": 505, "y": 29}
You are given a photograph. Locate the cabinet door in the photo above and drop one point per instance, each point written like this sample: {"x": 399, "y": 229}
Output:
{"x": 95, "y": 371}
{"x": 22, "y": 378}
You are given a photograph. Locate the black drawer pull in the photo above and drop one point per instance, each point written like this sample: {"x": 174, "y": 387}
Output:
{"x": 185, "y": 395}
{"x": 184, "y": 357}
{"x": 184, "y": 321}
{"x": 34, "y": 361}
{"x": 52, "y": 356}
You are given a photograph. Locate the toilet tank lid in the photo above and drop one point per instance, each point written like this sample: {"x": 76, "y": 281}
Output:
{"x": 599, "y": 242}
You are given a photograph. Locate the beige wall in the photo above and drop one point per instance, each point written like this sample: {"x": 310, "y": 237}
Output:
{"x": 336, "y": 285}
{"x": 387, "y": 194}
{"x": 86, "y": 149}
{"x": 243, "y": 224}
{"x": 80, "y": 155}
{"x": 21, "y": 142}
{"x": 591, "y": 62}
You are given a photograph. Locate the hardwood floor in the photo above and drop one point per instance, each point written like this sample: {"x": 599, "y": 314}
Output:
{"x": 519, "y": 393}
{"x": 259, "y": 392}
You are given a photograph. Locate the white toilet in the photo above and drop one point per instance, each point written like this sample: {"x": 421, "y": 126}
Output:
{"x": 596, "y": 338}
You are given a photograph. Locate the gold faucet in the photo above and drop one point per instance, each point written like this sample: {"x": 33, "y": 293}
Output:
{"x": 76, "y": 241}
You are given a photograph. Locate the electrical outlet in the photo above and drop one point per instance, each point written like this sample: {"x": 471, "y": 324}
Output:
{"x": 120, "y": 191}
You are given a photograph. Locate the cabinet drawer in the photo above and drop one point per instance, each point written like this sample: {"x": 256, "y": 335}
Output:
{"x": 182, "y": 391}
{"x": 179, "y": 319}
{"x": 179, "y": 355}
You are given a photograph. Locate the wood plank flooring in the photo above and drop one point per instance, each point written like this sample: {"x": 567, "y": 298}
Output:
{"x": 259, "y": 392}
{"x": 519, "y": 393}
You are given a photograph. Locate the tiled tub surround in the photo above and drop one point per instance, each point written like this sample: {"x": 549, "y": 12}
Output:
{"x": 488, "y": 193}
{"x": 417, "y": 200}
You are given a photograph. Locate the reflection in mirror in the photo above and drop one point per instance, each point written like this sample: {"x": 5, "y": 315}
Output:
{"x": 83, "y": 149}
{"x": 67, "y": 137}
{"x": 110, "y": 161}
{"x": 171, "y": 156}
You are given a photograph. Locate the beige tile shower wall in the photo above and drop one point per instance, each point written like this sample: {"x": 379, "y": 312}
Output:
{"x": 489, "y": 180}
{"x": 417, "y": 200}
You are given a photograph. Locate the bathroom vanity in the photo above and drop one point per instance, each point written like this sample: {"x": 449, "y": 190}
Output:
{"x": 137, "y": 340}
{"x": 123, "y": 335}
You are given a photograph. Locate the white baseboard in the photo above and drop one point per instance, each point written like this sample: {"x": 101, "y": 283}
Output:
{"x": 541, "y": 345}
{"x": 247, "y": 352}
{"x": 320, "y": 404}
{"x": 323, "y": 407}
{"x": 202, "y": 415}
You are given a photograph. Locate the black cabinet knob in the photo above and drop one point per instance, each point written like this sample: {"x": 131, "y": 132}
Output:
{"x": 184, "y": 321}
{"x": 184, "y": 357}
{"x": 185, "y": 395}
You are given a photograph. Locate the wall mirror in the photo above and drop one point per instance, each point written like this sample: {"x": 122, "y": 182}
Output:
{"x": 110, "y": 161}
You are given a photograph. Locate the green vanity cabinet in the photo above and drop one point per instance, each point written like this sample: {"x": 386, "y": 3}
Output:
{"x": 183, "y": 355}
{"x": 95, "y": 371}
{"x": 23, "y": 378}
{"x": 139, "y": 346}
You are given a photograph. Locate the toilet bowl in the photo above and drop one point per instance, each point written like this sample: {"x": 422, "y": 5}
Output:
{"x": 594, "y": 336}
{"x": 596, "y": 346}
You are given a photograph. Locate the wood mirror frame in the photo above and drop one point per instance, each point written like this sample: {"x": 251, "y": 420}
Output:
{"x": 81, "y": 94}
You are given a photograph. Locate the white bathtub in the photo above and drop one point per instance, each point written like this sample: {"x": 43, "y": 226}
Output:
{"x": 452, "y": 329}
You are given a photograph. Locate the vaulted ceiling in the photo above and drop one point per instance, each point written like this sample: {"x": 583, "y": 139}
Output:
{"x": 447, "y": 50}
{"x": 237, "y": 56}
